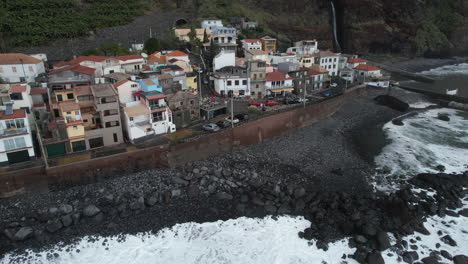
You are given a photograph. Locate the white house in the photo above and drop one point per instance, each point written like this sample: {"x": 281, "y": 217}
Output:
{"x": 178, "y": 55}
{"x": 304, "y": 47}
{"x": 131, "y": 63}
{"x": 251, "y": 44}
{"x": 102, "y": 65}
{"x": 278, "y": 83}
{"x": 282, "y": 58}
{"x": 126, "y": 90}
{"x": 329, "y": 61}
{"x": 253, "y": 55}
{"x": 150, "y": 116}
{"x": 223, "y": 59}
{"x": 367, "y": 71}
{"x": 306, "y": 60}
{"x": 231, "y": 84}
{"x": 210, "y": 24}
{"x": 353, "y": 63}
{"x": 18, "y": 67}
{"x": 16, "y": 142}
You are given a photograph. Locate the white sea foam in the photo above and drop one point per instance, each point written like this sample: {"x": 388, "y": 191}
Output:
{"x": 421, "y": 104}
{"x": 242, "y": 240}
{"x": 458, "y": 69}
{"x": 422, "y": 143}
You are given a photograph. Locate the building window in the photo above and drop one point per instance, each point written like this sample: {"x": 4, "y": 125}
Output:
{"x": 244, "y": 82}
{"x": 68, "y": 113}
{"x": 13, "y": 69}
{"x": 192, "y": 102}
{"x": 9, "y": 144}
{"x": 59, "y": 97}
{"x": 112, "y": 124}
{"x": 181, "y": 103}
{"x": 236, "y": 82}
{"x": 229, "y": 83}
{"x": 130, "y": 118}
{"x": 157, "y": 117}
{"x": 16, "y": 96}
{"x": 14, "y": 123}
{"x": 257, "y": 86}
{"x": 69, "y": 96}
{"x": 75, "y": 127}
{"x": 31, "y": 69}
{"x": 255, "y": 76}
{"x": 116, "y": 139}
{"x": 111, "y": 112}
{"x": 134, "y": 85}
{"x": 252, "y": 93}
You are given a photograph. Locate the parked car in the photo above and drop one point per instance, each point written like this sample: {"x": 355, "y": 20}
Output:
{"x": 255, "y": 103}
{"x": 211, "y": 127}
{"x": 333, "y": 85}
{"x": 327, "y": 93}
{"x": 291, "y": 100}
{"x": 271, "y": 103}
{"x": 223, "y": 124}
{"x": 242, "y": 116}
{"x": 234, "y": 121}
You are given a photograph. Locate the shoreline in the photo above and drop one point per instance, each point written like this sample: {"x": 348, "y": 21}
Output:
{"x": 160, "y": 198}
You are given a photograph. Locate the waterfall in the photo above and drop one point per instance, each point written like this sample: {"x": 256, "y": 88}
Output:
{"x": 335, "y": 34}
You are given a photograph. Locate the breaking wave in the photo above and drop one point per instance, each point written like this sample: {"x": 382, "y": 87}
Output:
{"x": 456, "y": 69}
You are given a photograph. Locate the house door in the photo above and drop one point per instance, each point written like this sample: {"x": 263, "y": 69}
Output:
{"x": 56, "y": 149}
{"x": 260, "y": 95}
{"x": 78, "y": 146}
{"x": 18, "y": 156}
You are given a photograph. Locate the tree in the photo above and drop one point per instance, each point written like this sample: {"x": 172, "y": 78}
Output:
{"x": 89, "y": 52}
{"x": 205, "y": 37}
{"x": 192, "y": 34}
{"x": 108, "y": 48}
{"x": 152, "y": 45}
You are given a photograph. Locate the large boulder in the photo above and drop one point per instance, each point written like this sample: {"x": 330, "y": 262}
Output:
{"x": 375, "y": 258}
{"x": 383, "y": 241}
{"x": 91, "y": 210}
{"x": 460, "y": 259}
{"x": 23, "y": 234}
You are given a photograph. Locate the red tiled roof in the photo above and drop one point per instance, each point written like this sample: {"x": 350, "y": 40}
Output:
{"x": 19, "y": 113}
{"x": 314, "y": 72}
{"x": 119, "y": 83}
{"x": 129, "y": 57}
{"x": 17, "y": 88}
{"x": 277, "y": 76}
{"x": 17, "y": 58}
{"x": 366, "y": 67}
{"x": 75, "y": 68}
{"x": 69, "y": 106}
{"x": 357, "y": 60}
{"x": 82, "y": 90}
{"x": 176, "y": 53}
{"x": 38, "y": 91}
{"x": 81, "y": 59}
{"x": 157, "y": 96}
{"x": 252, "y": 40}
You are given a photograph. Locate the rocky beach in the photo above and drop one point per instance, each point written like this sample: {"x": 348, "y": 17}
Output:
{"x": 320, "y": 172}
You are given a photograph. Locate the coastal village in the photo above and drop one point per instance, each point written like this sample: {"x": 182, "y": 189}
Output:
{"x": 98, "y": 105}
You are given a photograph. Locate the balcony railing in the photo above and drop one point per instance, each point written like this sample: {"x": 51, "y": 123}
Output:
{"x": 154, "y": 107}
{"x": 13, "y": 131}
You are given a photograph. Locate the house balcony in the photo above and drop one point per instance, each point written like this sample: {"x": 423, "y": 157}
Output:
{"x": 157, "y": 107}
{"x": 13, "y": 132}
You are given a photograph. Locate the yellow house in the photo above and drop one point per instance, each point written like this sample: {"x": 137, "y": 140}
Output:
{"x": 71, "y": 114}
{"x": 64, "y": 95}
{"x": 192, "y": 82}
{"x": 182, "y": 33}
{"x": 306, "y": 60}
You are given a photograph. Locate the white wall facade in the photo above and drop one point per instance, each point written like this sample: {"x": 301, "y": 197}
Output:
{"x": 211, "y": 24}
{"x": 223, "y": 59}
{"x": 237, "y": 85}
{"x": 17, "y": 143}
{"x": 330, "y": 64}
{"x": 251, "y": 45}
{"x": 13, "y": 73}
{"x": 277, "y": 59}
{"x": 126, "y": 91}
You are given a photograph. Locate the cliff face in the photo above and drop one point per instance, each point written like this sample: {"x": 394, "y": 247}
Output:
{"x": 422, "y": 27}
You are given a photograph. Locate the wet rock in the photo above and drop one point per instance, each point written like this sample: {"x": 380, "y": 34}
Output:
{"x": 410, "y": 256}
{"x": 244, "y": 198}
{"x": 258, "y": 201}
{"x": 196, "y": 171}
{"x": 369, "y": 230}
{"x": 223, "y": 196}
{"x": 447, "y": 239}
{"x": 67, "y": 220}
{"x": 152, "y": 199}
{"x": 397, "y": 122}
{"x": 66, "y": 209}
{"x": 464, "y": 212}
{"x": 430, "y": 260}
{"x": 360, "y": 239}
{"x": 9, "y": 232}
{"x": 193, "y": 191}
{"x": 270, "y": 209}
{"x": 23, "y": 234}
{"x": 299, "y": 192}
{"x": 240, "y": 208}
{"x": 443, "y": 117}
{"x": 54, "y": 225}
{"x": 284, "y": 209}
{"x": 91, "y": 210}
{"x": 460, "y": 259}
{"x": 446, "y": 255}
{"x": 375, "y": 258}
{"x": 440, "y": 168}
{"x": 98, "y": 218}
{"x": 383, "y": 241}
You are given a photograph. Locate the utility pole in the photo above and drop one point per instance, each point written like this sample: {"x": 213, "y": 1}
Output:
{"x": 305, "y": 87}
{"x": 232, "y": 111}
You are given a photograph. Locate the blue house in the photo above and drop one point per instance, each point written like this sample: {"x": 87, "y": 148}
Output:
{"x": 150, "y": 85}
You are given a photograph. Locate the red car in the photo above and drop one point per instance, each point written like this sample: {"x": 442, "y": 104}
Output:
{"x": 271, "y": 103}
{"x": 255, "y": 103}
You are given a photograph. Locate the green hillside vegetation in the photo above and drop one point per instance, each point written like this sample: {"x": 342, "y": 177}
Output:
{"x": 34, "y": 22}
